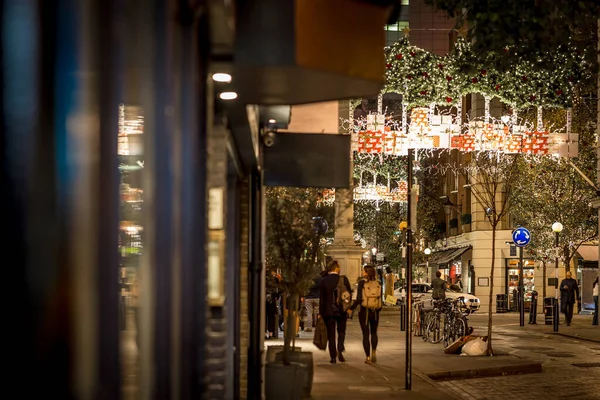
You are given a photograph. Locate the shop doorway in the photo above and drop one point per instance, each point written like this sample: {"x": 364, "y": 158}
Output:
{"x": 512, "y": 282}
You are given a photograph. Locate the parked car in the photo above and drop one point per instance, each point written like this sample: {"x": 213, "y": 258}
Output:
{"x": 418, "y": 291}
{"x": 423, "y": 291}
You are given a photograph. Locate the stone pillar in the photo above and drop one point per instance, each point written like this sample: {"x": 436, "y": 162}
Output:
{"x": 344, "y": 249}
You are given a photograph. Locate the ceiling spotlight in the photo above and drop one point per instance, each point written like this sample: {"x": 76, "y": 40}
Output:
{"x": 228, "y": 95}
{"x": 272, "y": 121}
{"x": 221, "y": 77}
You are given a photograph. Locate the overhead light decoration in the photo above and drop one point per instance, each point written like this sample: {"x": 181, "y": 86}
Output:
{"x": 221, "y": 77}
{"x": 228, "y": 96}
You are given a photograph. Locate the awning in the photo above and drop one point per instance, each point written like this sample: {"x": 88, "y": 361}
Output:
{"x": 588, "y": 253}
{"x": 449, "y": 255}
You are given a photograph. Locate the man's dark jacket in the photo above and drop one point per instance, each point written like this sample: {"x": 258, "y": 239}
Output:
{"x": 313, "y": 292}
{"x": 567, "y": 296}
{"x": 326, "y": 293}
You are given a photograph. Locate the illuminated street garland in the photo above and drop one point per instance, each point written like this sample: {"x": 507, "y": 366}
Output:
{"x": 424, "y": 78}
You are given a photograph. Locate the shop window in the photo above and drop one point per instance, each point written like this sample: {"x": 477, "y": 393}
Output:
{"x": 131, "y": 233}
{"x": 512, "y": 275}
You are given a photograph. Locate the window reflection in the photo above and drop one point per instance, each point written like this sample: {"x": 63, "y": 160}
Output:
{"x": 131, "y": 239}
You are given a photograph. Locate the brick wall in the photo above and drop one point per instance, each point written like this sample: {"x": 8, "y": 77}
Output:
{"x": 216, "y": 317}
{"x": 243, "y": 276}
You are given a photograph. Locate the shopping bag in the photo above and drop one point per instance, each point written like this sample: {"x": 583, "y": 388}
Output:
{"x": 320, "y": 338}
{"x": 390, "y": 300}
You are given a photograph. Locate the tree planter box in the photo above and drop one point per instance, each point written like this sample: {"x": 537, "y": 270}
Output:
{"x": 284, "y": 381}
{"x": 304, "y": 358}
{"x": 273, "y": 350}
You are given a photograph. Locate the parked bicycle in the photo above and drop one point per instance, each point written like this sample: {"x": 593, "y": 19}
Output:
{"x": 455, "y": 322}
{"x": 447, "y": 321}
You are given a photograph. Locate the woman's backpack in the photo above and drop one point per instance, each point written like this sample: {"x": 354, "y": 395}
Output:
{"x": 371, "y": 295}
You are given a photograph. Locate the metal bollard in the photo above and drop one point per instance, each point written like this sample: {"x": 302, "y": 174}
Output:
{"x": 556, "y": 315}
{"x": 403, "y": 316}
{"x": 533, "y": 308}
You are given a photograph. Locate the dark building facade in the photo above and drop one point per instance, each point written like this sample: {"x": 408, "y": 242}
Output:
{"x": 133, "y": 183}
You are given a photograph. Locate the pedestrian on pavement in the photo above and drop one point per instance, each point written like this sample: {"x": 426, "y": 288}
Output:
{"x": 595, "y": 294}
{"x": 439, "y": 287}
{"x": 569, "y": 293}
{"x": 333, "y": 316}
{"x": 390, "y": 280}
{"x": 311, "y": 302}
{"x": 368, "y": 297}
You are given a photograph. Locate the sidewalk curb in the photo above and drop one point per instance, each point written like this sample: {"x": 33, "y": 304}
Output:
{"x": 576, "y": 337}
{"x": 531, "y": 368}
{"x": 433, "y": 383}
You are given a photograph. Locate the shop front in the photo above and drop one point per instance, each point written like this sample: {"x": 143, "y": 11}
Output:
{"x": 449, "y": 263}
{"x": 512, "y": 282}
{"x": 587, "y": 272}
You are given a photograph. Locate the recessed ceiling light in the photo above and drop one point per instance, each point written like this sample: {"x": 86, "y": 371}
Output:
{"x": 272, "y": 121}
{"x": 228, "y": 96}
{"x": 221, "y": 77}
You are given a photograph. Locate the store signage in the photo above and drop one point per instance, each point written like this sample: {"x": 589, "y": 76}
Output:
{"x": 521, "y": 237}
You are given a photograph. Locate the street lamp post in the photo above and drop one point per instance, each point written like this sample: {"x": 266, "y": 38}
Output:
{"x": 557, "y": 227}
{"x": 374, "y": 254}
{"x": 427, "y": 252}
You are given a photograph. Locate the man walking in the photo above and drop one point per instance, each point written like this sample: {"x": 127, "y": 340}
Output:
{"x": 311, "y": 302}
{"x": 439, "y": 287}
{"x": 330, "y": 311}
{"x": 569, "y": 293}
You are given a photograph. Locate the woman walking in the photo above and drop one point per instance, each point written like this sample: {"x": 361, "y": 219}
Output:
{"x": 369, "y": 298}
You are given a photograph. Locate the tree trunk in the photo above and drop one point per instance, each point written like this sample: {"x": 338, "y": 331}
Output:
{"x": 490, "y": 352}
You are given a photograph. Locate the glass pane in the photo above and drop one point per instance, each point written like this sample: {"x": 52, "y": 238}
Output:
{"x": 131, "y": 166}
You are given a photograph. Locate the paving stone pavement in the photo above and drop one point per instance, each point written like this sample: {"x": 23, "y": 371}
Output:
{"x": 557, "y": 354}
{"x": 559, "y": 379}
{"x": 560, "y": 383}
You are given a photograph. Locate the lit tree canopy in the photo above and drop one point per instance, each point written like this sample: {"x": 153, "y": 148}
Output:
{"x": 550, "y": 190}
{"x": 424, "y": 78}
{"x": 294, "y": 244}
{"x": 530, "y": 28}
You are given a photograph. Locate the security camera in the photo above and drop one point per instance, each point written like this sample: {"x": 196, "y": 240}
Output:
{"x": 269, "y": 139}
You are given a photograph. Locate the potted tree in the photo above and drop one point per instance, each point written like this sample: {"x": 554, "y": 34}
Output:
{"x": 296, "y": 225}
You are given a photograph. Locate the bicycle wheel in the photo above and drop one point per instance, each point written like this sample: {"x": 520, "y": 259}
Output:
{"x": 461, "y": 327}
{"x": 449, "y": 332}
{"x": 416, "y": 325}
{"x": 425, "y": 326}
{"x": 458, "y": 330}
{"x": 434, "y": 329}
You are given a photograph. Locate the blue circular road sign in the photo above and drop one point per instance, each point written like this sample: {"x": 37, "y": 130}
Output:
{"x": 521, "y": 237}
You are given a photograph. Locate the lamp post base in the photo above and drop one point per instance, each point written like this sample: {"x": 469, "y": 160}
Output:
{"x": 556, "y": 315}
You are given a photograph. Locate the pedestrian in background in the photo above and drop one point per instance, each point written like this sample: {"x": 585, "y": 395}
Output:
{"x": 569, "y": 293}
{"x": 368, "y": 297}
{"x": 595, "y": 286}
{"x": 390, "y": 280}
{"x": 439, "y": 287}
{"x": 311, "y": 302}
